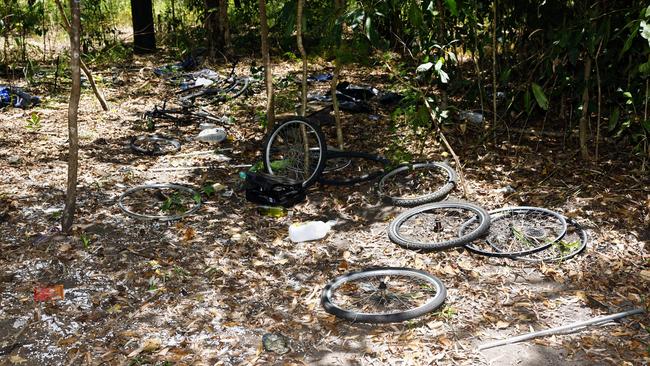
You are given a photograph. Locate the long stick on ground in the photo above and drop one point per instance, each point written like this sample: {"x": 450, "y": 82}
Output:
{"x": 83, "y": 66}
{"x": 564, "y": 328}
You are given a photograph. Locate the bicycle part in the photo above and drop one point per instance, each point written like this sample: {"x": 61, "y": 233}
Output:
{"x": 357, "y": 167}
{"x": 573, "y": 243}
{"x": 519, "y": 231}
{"x": 426, "y": 182}
{"x": 154, "y": 145}
{"x": 295, "y": 149}
{"x": 435, "y": 226}
{"x": 229, "y": 89}
{"x": 161, "y": 197}
{"x": 383, "y": 295}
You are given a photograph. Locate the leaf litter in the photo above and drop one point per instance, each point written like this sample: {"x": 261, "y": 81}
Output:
{"x": 207, "y": 289}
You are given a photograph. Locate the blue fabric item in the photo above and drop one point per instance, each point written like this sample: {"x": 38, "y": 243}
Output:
{"x": 5, "y": 96}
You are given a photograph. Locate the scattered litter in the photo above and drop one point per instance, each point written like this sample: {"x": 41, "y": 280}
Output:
{"x": 473, "y": 117}
{"x": 311, "y": 230}
{"x": 206, "y": 125}
{"x": 358, "y": 92}
{"x": 320, "y": 77}
{"x": 16, "y": 97}
{"x": 275, "y": 342}
{"x": 203, "y": 82}
{"x": 506, "y": 190}
{"x": 48, "y": 293}
{"x": 272, "y": 211}
{"x": 212, "y": 135}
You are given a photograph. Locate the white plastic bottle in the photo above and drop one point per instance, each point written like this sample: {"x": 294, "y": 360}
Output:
{"x": 311, "y": 230}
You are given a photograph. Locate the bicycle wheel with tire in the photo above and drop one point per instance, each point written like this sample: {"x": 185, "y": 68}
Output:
{"x": 160, "y": 201}
{"x": 518, "y": 231}
{"x": 435, "y": 226}
{"x": 572, "y": 244}
{"x": 352, "y": 167}
{"x": 417, "y": 184}
{"x": 383, "y": 295}
{"x": 295, "y": 149}
{"x": 154, "y": 145}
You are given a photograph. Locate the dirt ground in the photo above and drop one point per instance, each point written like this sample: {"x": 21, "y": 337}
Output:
{"x": 207, "y": 288}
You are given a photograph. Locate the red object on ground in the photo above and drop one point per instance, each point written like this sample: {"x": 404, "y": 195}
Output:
{"x": 48, "y": 293}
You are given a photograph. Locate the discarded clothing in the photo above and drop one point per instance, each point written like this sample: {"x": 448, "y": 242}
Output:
{"x": 17, "y": 98}
{"x": 357, "y": 91}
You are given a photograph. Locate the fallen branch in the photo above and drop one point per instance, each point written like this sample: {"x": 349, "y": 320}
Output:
{"x": 83, "y": 66}
{"x": 564, "y": 328}
{"x": 459, "y": 167}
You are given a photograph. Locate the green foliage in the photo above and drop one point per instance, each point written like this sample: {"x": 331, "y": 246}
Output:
{"x": 538, "y": 92}
{"x": 85, "y": 240}
{"x": 34, "y": 122}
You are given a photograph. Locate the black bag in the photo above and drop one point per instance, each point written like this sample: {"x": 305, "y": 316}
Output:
{"x": 266, "y": 189}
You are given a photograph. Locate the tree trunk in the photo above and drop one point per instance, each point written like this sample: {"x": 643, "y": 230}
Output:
{"x": 144, "y": 37}
{"x": 216, "y": 25}
{"x": 584, "y": 118}
{"x": 73, "y": 107}
{"x": 303, "y": 55}
{"x": 264, "y": 31}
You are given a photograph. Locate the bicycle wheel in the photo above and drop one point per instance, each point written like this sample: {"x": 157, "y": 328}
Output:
{"x": 238, "y": 87}
{"x": 352, "y": 167}
{"x": 417, "y": 184}
{"x": 435, "y": 226}
{"x": 383, "y": 295}
{"x": 519, "y": 231}
{"x": 154, "y": 145}
{"x": 295, "y": 149}
{"x": 161, "y": 201}
{"x": 572, "y": 244}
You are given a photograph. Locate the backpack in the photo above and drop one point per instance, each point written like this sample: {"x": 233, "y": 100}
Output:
{"x": 266, "y": 189}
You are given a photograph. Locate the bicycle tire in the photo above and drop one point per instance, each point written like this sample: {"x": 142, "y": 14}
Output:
{"x": 242, "y": 90}
{"x": 498, "y": 215}
{"x": 392, "y": 317}
{"x": 320, "y": 150}
{"x": 154, "y": 138}
{"x": 352, "y": 155}
{"x": 128, "y": 192}
{"x": 399, "y": 239}
{"x": 539, "y": 257}
{"x": 437, "y": 195}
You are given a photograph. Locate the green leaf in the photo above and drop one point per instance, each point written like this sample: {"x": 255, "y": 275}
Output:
{"x": 645, "y": 68}
{"x": 196, "y": 197}
{"x": 628, "y": 95}
{"x": 439, "y": 64}
{"x": 542, "y": 101}
{"x": 444, "y": 78}
{"x": 451, "y": 4}
{"x": 424, "y": 67}
{"x": 630, "y": 39}
{"x": 528, "y": 106}
{"x": 613, "y": 119}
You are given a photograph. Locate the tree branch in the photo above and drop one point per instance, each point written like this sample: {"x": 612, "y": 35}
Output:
{"x": 89, "y": 75}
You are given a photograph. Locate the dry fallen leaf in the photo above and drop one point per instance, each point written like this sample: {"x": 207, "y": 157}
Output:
{"x": 17, "y": 360}
{"x": 645, "y": 274}
{"x": 502, "y": 325}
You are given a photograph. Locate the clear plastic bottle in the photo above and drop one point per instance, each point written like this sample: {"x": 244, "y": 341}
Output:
{"x": 311, "y": 230}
